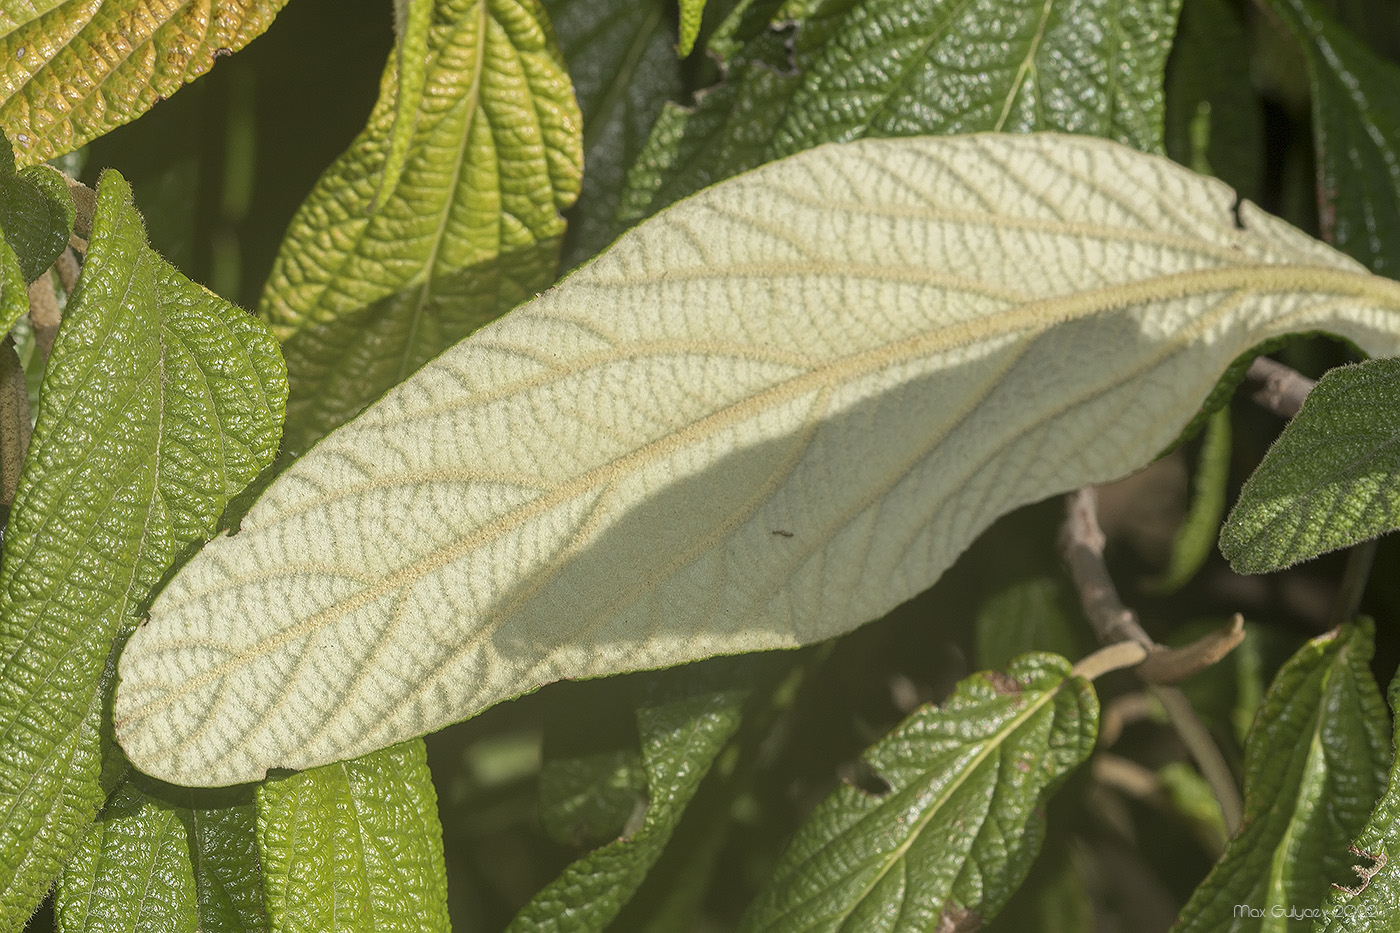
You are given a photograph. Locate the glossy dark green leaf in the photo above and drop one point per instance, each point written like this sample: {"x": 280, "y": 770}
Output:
{"x": 36, "y": 213}
{"x": 1332, "y": 478}
{"x": 831, "y": 70}
{"x": 954, "y": 833}
{"x": 1356, "y": 127}
{"x": 1373, "y": 902}
{"x": 355, "y": 846}
{"x": 160, "y": 402}
{"x": 1314, "y": 765}
{"x": 622, "y": 59}
{"x": 587, "y": 799}
{"x": 680, "y": 741}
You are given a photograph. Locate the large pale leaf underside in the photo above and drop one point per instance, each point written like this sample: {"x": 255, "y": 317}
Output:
{"x": 760, "y": 419}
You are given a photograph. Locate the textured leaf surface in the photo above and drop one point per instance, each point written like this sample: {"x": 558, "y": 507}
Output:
{"x": 1375, "y": 908}
{"x": 160, "y": 402}
{"x": 959, "y": 827}
{"x": 673, "y": 454}
{"x": 680, "y": 740}
{"x": 223, "y": 846}
{"x": 70, "y": 70}
{"x": 132, "y": 874}
{"x": 624, "y": 68}
{"x": 36, "y": 213}
{"x": 835, "y": 70}
{"x": 1315, "y": 764}
{"x": 692, "y": 13}
{"x": 345, "y": 849}
{"x": 362, "y": 298}
{"x": 1331, "y": 479}
{"x": 1356, "y": 125}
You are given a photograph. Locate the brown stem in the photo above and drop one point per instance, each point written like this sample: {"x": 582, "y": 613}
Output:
{"x": 14, "y": 420}
{"x": 1279, "y": 388}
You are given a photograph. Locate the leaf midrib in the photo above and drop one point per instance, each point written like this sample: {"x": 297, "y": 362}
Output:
{"x": 1025, "y": 318}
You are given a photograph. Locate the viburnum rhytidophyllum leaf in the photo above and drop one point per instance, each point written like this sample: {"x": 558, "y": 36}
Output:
{"x": 160, "y": 402}
{"x": 70, "y": 70}
{"x": 760, "y": 419}
{"x": 354, "y": 846}
{"x": 1331, "y": 480}
{"x": 954, "y": 827}
{"x": 375, "y": 279}
{"x": 36, "y": 213}
{"x": 1315, "y": 763}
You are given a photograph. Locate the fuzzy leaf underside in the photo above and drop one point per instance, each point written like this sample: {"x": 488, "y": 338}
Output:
{"x": 763, "y": 418}
{"x": 1331, "y": 480}
{"x": 960, "y": 823}
{"x": 70, "y": 70}
{"x": 160, "y": 402}
{"x": 1315, "y": 764}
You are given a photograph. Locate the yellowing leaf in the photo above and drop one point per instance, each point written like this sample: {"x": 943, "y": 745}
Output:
{"x": 70, "y": 70}
{"x": 768, "y": 415}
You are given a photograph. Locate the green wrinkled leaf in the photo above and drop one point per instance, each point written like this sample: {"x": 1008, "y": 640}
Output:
{"x": 586, "y": 799}
{"x": 160, "y": 402}
{"x": 836, "y": 70}
{"x": 624, "y": 69}
{"x": 222, "y": 831}
{"x": 14, "y": 294}
{"x": 692, "y": 13}
{"x": 1053, "y": 899}
{"x": 959, "y": 826}
{"x": 680, "y": 740}
{"x": 1028, "y": 615}
{"x": 1375, "y": 908}
{"x": 1315, "y": 763}
{"x": 70, "y": 72}
{"x": 1331, "y": 480}
{"x": 132, "y": 873}
{"x": 354, "y": 846}
{"x": 413, "y": 19}
{"x": 1356, "y": 128}
{"x": 361, "y": 298}
{"x": 1214, "y": 119}
{"x": 1195, "y": 539}
{"x": 36, "y": 213}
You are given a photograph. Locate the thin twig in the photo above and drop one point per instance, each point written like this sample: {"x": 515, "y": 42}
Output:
{"x": 1347, "y": 602}
{"x": 66, "y": 265}
{"x": 44, "y": 313}
{"x": 14, "y": 420}
{"x": 1279, "y": 388}
{"x": 1082, "y": 543}
{"x": 1173, "y": 665}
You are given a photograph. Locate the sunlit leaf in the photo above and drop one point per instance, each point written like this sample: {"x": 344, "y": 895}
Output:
{"x": 70, "y": 70}
{"x": 763, "y": 418}
{"x": 160, "y": 402}
{"x": 1331, "y": 480}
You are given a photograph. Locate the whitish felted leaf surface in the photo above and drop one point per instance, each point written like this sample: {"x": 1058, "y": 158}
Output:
{"x": 70, "y": 70}
{"x": 757, "y": 421}
{"x": 375, "y": 279}
{"x": 1314, "y": 765}
{"x": 1330, "y": 480}
{"x": 955, "y": 833}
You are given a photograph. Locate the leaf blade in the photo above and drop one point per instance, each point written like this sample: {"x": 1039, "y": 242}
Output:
{"x": 160, "y": 402}
{"x": 73, "y": 71}
{"x": 957, "y": 830}
{"x": 744, "y": 405}
{"x": 1329, "y": 481}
